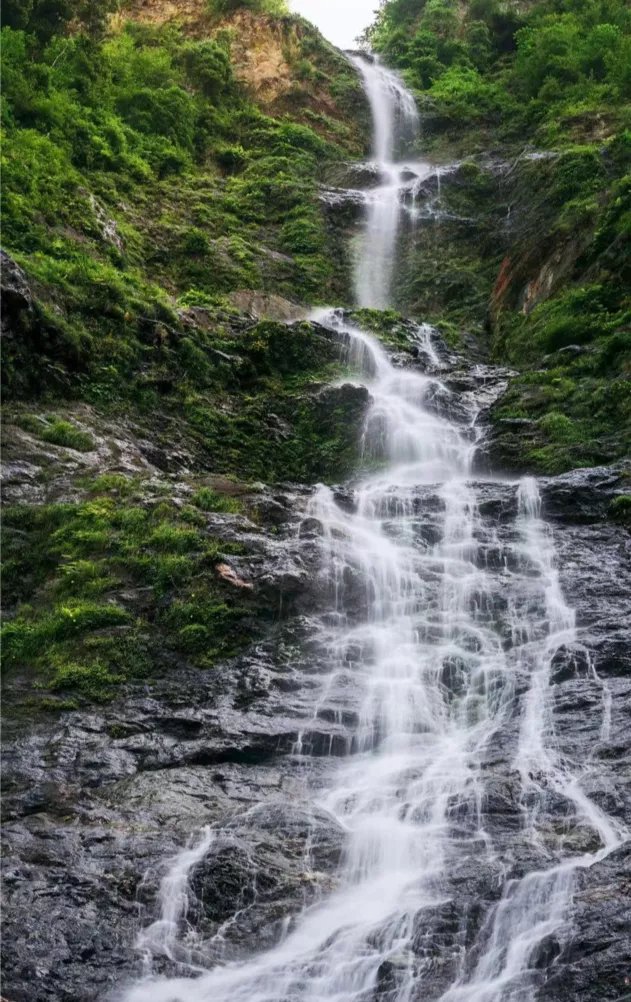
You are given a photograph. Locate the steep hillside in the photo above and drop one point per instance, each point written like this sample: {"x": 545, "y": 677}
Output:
{"x": 253, "y": 564}
{"x": 528, "y": 238}
{"x": 142, "y": 175}
{"x": 284, "y": 64}
{"x": 160, "y": 197}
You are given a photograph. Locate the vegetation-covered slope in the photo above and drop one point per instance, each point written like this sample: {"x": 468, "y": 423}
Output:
{"x": 140, "y": 176}
{"x": 161, "y": 159}
{"x": 148, "y": 175}
{"x": 536, "y": 99}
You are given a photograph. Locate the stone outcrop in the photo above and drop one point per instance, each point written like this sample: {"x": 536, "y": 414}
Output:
{"x": 16, "y": 297}
{"x": 98, "y": 798}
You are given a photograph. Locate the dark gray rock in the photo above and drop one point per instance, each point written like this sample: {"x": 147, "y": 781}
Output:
{"x": 584, "y": 496}
{"x": 595, "y": 962}
{"x": 16, "y": 296}
{"x": 97, "y": 803}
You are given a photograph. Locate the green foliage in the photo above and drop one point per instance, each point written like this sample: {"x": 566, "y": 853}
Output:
{"x": 581, "y": 406}
{"x": 556, "y": 60}
{"x": 59, "y": 559}
{"x": 209, "y": 500}
{"x": 113, "y": 192}
{"x": 558, "y": 427}
{"x": 46, "y": 18}
{"x": 219, "y": 8}
{"x": 208, "y": 67}
{"x": 620, "y": 509}
{"x": 24, "y": 637}
{"x": 577, "y": 316}
{"x": 58, "y": 432}
{"x": 463, "y": 94}
{"x": 117, "y": 483}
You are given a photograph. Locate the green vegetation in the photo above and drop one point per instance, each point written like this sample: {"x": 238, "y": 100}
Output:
{"x": 577, "y": 342}
{"x": 209, "y": 500}
{"x": 119, "y": 584}
{"x": 620, "y": 509}
{"x": 106, "y": 590}
{"x": 138, "y": 177}
{"x": 544, "y": 241}
{"x": 57, "y": 432}
{"x": 127, "y": 177}
{"x": 45, "y": 18}
{"x": 271, "y": 420}
{"x": 142, "y": 185}
{"x": 548, "y": 70}
{"x": 276, "y": 8}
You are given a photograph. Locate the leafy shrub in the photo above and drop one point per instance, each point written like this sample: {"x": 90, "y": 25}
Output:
{"x": 620, "y": 509}
{"x": 174, "y": 539}
{"x": 208, "y": 67}
{"x": 463, "y": 93}
{"x": 195, "y": 242}
{"x": 558, "y": 427}
{"x": 47, "y": 17}
{"x": 58, "y": 432}
{"x": 162, "y": 111}
{"x": 209, "y": 500}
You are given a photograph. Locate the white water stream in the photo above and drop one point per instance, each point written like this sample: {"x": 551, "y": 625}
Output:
{"x": 396, "y": 124}
{"x": 414, "y": 638}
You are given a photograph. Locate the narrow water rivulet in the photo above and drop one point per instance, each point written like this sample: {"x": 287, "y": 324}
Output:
{"x": 435, "y": 648}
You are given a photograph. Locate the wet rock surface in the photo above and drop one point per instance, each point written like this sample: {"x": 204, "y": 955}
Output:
{"x": 98, "y": 801}
{"x": 594, "y": 964}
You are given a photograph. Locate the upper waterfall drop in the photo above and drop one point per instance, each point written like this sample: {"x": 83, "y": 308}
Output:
{"x": 395, "y": 132}
{"x": 395, "y": 116}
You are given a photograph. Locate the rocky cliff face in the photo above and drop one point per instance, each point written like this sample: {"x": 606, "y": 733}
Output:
{"x": 102, "y": 789}
{"x": 168, "y": 412}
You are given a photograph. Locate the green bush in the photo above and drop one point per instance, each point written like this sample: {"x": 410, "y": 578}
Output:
{"x": 47, "y": 17}
{"x": 195, "y": 242}
{"x": 620, "y": 509}
{"x": 209, "y": 500}
{"x": 463, "y": 93}
{"x": 58, "y": 432}
{"x": 559, "y": 427}
{"x": 24, "y": 638}
{"x": 208, "y": 67}
{"x": 64, "y": 433}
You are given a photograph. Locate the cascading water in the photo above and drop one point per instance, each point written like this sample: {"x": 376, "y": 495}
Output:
{"x": 395, "y": 123}
{"x": 437, "y": 644}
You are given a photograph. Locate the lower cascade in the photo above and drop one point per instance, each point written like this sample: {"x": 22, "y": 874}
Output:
{"x": 435, "y": 645}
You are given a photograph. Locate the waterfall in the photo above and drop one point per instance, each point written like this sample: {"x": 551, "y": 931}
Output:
{"x": 162, "y": 936}
{"x": 437, "y": 640}
{"x": 395, "y": 129}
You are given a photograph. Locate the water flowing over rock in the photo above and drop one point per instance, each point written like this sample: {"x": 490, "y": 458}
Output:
{"x": 446, "y": 660}
{"x": 395, "y": 125}
{"x": 413, "y": 786}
